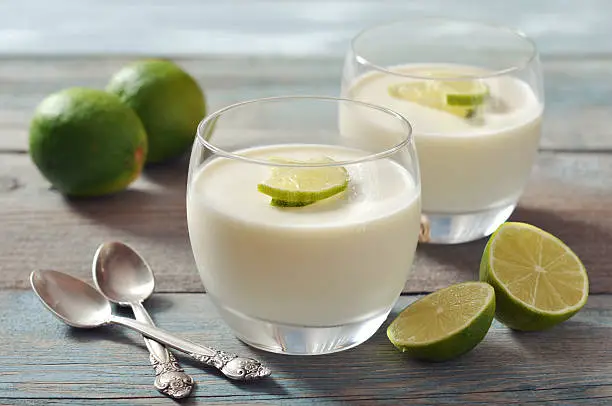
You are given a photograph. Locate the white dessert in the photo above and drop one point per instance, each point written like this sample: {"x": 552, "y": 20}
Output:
{"x": 341, "y": 260}
{"x": 467, "y": 165}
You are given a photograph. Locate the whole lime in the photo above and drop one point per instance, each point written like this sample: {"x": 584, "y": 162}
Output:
{"x": 86, "y": 142}
{"x": 168, "y": 101}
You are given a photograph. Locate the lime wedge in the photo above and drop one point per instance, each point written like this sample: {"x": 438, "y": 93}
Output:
{"x": 538, "y": 280}
{"x": 460, "y": 98}
{"x": 301, "y": 186}
{"x": 446, "y": 323}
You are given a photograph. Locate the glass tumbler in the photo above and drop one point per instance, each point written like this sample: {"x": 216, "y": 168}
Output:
{"x": 473, "y": 95}
{"x": 322, "y": 275}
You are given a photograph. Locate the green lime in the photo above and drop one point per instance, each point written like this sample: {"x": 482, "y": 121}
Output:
{"x": 538, "y": 280}
{"x": 296, "y": 186}
{"x": 460, "y": 98}
{"x": 86, "y": 142}
{"x": 446, "y": 323}
{"x": 468, "y": 93}
{"x": 284, "y": 203}
{"x": 167, "y": 99}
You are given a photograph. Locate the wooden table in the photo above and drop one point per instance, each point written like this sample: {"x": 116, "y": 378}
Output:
{"x": 570, "y": 194}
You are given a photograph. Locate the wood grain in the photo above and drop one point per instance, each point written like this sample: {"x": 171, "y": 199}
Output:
{"x": 241, "y": 50}
{"x": 42, "y": 360}
{"x": 578, "y": 91}
{"x": 569, "y": 195}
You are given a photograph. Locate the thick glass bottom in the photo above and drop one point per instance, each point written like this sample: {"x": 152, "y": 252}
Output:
{"x": 300, "y": 340}
{"x": 456, "y": 228}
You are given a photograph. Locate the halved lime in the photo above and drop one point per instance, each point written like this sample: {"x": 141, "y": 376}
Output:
{"x": 302, "y": 185}
{"x": 538, "y": 280}
{"x": 457, "y": 97}
{"x": 446, "y": 323}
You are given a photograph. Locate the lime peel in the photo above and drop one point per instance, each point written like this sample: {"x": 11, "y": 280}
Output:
{"x": 284, "y": 203}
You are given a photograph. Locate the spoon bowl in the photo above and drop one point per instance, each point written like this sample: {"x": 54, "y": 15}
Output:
{"x": 121, "y": 274}
{"x": 75, "y": 302}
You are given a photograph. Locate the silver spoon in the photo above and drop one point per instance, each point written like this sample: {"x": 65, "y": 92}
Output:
{"x": 125, "y": 278}
{"x": 79, "y": 304}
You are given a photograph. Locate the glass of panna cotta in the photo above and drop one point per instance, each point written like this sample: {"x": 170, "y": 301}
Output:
{"x": 473, "y": 95}
{"x": 303, "y": 236}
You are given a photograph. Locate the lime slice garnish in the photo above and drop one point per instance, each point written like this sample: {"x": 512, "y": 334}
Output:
{"x": 468, "y": 93}
{"x": 446, "y": 323}
{"x": 460, "y": 98}
{"x": 300, "y": 186}
{"x": 538, "y": 280}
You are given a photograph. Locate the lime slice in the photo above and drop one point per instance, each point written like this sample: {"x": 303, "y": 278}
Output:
{"x": 465, "y": 93}
{"x": 460, "y": 98}
{"x": 301, "y": 186}
{"x": 446, "y": 323}
{"x": 538, "y": 280}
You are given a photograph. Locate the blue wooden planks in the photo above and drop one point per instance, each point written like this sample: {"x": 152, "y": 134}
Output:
{"x": 42, "y": 359}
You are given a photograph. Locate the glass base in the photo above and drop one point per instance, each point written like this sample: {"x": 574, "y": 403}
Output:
{"x": 300, "y": 340}
{"x": 445, "y": 228}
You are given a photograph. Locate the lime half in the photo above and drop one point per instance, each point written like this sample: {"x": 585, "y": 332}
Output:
{"x": 295, "y": 186}
{"x": 538, "y": 280}
{"x": 446, "y": 323}
{"x": 460, "y": 98}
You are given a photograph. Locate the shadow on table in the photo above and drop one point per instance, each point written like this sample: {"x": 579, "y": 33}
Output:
{"x": 464, "y": 259}
{"x": 571, "y": 344}
{"x": 115, "y": 334}
{"x": 143, "y": 211}
{"x": 139, "y": 212}
{"x": 171, "y": 175}
{"x": 157, "y": 304}
{"x": 375, "y": 368}
{"x": 569, "y": 229}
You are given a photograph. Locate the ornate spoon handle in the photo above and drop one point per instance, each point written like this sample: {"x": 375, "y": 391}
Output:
{"x": 231, "y": 365}
{"x": 170, "y": 378}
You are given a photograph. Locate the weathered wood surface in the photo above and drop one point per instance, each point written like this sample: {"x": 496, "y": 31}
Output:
{"x": 42, "y": 359}
{"x": 578, "y": 90}
{"x": 570, "y": 195}
{"x": 241, "y": 50}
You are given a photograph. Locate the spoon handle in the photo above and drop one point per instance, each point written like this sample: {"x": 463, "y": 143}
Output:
{"x": 231, "y": 365}
{"x": 170, "y": 378}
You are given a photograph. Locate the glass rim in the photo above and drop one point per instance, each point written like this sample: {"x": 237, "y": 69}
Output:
{"x": 408, "y": 140}
{"x": 519, "y": 35}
